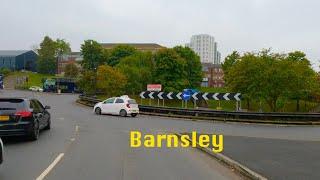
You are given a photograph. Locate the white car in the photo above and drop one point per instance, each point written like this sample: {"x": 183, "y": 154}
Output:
{"x": 36, "y": 88}
{"x": 122, "y": 106}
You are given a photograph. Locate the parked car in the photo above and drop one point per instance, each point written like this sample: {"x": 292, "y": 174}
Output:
{"x": 36, "y": 88}
{"x": 122, "y": 106}
{"x": 23, "y": 116}
{"x": 1, "y": 151}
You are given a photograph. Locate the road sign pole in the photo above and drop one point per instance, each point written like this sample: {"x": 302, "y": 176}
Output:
{"x": 162, "y": 102}
{"x": 237, "y": 106}
{"x": 182, "y": 103}
{"x": 194, "y": 104}
{"x": 158, "y": 102}
{"x": 150, "y": 102}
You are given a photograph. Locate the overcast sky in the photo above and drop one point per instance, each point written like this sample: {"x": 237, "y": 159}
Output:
{"x": 243, "y": 25}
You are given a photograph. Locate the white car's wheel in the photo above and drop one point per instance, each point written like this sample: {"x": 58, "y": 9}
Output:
{"x": 98, "y": 111}
{"x": 123, "y": 113}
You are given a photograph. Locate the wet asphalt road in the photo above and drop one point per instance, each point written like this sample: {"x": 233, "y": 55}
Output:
{"x": 97, "y": 147}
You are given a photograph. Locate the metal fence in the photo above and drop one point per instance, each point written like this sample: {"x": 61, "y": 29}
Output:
{"x": 281, "y": 118}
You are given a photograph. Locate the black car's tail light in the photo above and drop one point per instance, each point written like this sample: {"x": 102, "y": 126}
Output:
{"x": 24, "y": 114}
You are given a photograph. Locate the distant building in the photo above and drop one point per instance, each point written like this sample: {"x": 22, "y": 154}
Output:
{"x": 152, "y": 47}
{"x": 206, "y": 47}
{"x": 72, "y": 58}
{"x": 213, "y": 75}
{"x": 18, "y": 59}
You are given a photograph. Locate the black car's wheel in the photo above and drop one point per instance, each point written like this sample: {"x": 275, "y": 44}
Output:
{"x": 133, "y": 115}
{"x": 35, "y": 131}
{"x": 48, "y": 125}
{"x": 123, "y": 113}
{"x": 98, "y": 111}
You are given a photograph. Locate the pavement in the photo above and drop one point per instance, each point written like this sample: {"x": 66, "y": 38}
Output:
{"x": 82, "y": 145}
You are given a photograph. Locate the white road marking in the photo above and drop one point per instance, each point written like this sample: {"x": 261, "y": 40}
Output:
{"x": 50, "y": 167}
{"x": 72, "y": 139}
{"x": 77, "y": 128}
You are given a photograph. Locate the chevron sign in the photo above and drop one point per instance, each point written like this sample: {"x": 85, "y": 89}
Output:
{"x": 195, "y": 96}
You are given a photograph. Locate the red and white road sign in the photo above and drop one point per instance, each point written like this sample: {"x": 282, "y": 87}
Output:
{"x": 154, "y": 87}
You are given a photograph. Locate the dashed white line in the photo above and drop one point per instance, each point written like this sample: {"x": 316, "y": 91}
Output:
{"x": 77, "y": 128}
{"x": 50, "y": 167}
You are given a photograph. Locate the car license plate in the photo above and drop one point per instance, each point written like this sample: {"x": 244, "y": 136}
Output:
{"x": 4, "y": 118}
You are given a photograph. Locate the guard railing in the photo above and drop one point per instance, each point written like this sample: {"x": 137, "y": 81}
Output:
{"x": 271, "y": 117}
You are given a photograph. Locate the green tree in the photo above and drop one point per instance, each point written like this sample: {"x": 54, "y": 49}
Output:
{"x": 110, "y": 81}
{"x": 93, "y": 55}
{"x": 48, "y": 52}
{"x": 120, "y": 52}
{"x": 272, "y": 77}
{"x": 297, "y": 56}
{"x": 193, "y": 66}
{"x": 230, "y": 60}
{"x": 304, "y": 82}
{"x": 71, "y": 71}
{"x": 87, "y": 82}
{"x": 170, "y": 70}
{"x": 138, "y": 70}
{"x": 46, "y": 62}
{"x": 62, "y": 47}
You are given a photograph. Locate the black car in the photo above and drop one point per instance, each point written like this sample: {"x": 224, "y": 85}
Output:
{"x": 23, "y": 117}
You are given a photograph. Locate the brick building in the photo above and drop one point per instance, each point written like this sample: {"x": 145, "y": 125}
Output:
{"x": 153, "y": 47}
{"x": 213, "y": 75}
{"x": 72, "y": 58}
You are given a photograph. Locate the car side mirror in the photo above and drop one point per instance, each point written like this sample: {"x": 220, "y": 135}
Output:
{"x": 47, "y": 107}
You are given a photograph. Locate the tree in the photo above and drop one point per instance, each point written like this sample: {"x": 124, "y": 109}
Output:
{"x": 110, "y": 81}
{"x": 305, "y": 78}
{"x": 87, "y": 82}
{"x": 120, "y": 52}
{"x": 272, "y": 77}
{"x": 93, "y": 55}
{"x": 48, "y": 52}
{"x": 170, "y": 70}
{"x": 230, "y": 60}
{"x": 62, "y": 47}
{"x": 46, "y": 62}
{"x": 138, "y": 70}
{"x": 297, "y": 56}
{"x": 71, "y": 70}
{"x": 193, "y": 66}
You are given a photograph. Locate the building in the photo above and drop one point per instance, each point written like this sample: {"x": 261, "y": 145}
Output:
{"x": 152, "y": 47}
{"x": 213, "y": 75}
{"x": 206, "y": 47}
{"x": 18, "y": 59}
{"x": 72, "y": 58}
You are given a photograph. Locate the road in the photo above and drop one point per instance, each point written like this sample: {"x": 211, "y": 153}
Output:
{"x": 97, "y": 147}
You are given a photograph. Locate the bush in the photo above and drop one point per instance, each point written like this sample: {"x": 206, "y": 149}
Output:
{"x": 5, "y": 71}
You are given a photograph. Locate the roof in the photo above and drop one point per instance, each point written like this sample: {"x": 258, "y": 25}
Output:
{"x": 136, "y": 45}
{"x": 12, "y": 52}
